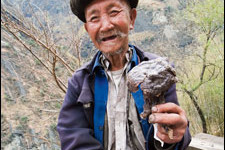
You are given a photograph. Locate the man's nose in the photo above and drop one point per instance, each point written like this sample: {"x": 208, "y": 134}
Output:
{"x": 106, "y": 24}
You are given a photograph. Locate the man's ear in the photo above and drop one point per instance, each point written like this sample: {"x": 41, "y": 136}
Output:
{"x": 85, "y": 26}
{"x": 133, "y": 15}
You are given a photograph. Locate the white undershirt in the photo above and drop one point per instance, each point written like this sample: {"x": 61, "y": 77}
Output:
{"x": 116, "y": 76}
{"x": 116, "y": 111}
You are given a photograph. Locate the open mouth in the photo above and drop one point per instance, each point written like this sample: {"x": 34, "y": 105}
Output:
{"x": 109, "y": 38}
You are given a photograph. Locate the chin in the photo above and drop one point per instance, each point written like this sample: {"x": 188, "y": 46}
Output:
{"x": 112, "y": 49}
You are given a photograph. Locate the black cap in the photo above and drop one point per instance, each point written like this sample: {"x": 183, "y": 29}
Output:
{"x": 78, "y": 6}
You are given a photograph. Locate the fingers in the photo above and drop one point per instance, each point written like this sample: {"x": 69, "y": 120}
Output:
{"x": 166, "y": 130}
{"x": 167, "y": 107}
{"x": 171, "y": 115}
{"x": 161, "y": 129}
{"x": 165, "y": 138}
{"x": 163, "y": 135}
{"x": 168, "y": 113}
{"x": 165, "y": 118}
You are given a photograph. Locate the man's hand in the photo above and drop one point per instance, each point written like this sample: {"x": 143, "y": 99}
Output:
{"x": 171, "y": 115}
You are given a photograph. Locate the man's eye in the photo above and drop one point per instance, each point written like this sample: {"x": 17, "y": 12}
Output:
{"x": 94, "y": 18}
{"x": 114, "y": 12}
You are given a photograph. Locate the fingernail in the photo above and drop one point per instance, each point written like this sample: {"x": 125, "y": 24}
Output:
{"x": 151, "y": 118}
{"x": 143, "y": 115}
{"x": 154, "y": 109}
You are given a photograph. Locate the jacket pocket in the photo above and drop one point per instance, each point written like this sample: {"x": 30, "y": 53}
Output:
{"x": 89, "y": 110}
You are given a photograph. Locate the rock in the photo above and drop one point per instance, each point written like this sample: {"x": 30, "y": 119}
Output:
{"x": 155, "y": 77}
{"x": 16, "y": 143}
{"x": 34, "y": 140}
{"x": 184, "y": 40}
{"x": 53, "y": 140}
{"x": 159, "y": 18}
{"x": 170, "y": 32}
{"x": 44, "y": 147}
{"x": 5, "y": 44}
{"x": 11, "y": 69}
{"x": 17, "y": 132}
{"x": 5, "y": 132}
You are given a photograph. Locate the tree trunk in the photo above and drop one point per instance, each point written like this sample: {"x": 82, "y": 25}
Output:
{"x": 199, "y": 110}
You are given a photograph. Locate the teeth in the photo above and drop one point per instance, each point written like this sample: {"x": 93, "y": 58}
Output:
{"x": 109, "y": 38}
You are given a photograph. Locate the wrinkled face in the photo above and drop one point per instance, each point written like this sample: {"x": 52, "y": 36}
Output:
{"x": 108, "y": 23}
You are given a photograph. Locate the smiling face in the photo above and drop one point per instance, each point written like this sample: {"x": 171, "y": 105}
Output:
{"x": 108, "y": 23}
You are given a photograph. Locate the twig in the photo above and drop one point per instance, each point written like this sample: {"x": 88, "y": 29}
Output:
{"x": 55, "y": 77}
{"x": 53, "y": 111}
{"x": 18, "y": 39}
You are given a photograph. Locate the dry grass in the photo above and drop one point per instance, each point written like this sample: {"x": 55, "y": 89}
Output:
{"x": 39, "y": 108}
{"x": 140, "y": 36}
{"x": 210, "y": 95}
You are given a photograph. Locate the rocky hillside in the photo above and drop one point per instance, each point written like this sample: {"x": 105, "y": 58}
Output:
{"x": 31, "y": 100}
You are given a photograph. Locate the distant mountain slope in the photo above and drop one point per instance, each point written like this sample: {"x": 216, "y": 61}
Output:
{"x": 153, "y": 16}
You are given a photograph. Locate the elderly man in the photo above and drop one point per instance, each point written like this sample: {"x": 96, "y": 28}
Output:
{"x": 99, "y": 112}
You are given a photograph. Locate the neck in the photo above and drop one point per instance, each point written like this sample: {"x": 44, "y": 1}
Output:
{"x": 117, "y": 60}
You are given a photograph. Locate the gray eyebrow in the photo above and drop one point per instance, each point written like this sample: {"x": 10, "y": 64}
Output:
{"x": 93, "y": 11}
{"x": 108, "y": 7}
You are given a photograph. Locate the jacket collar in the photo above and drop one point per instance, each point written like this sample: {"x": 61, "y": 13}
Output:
{"x": 98, "y": 64}
{"x": 138, "y": 56}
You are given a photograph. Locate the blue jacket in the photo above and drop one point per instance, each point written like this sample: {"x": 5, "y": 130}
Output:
{"x": 78, "y": 126}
